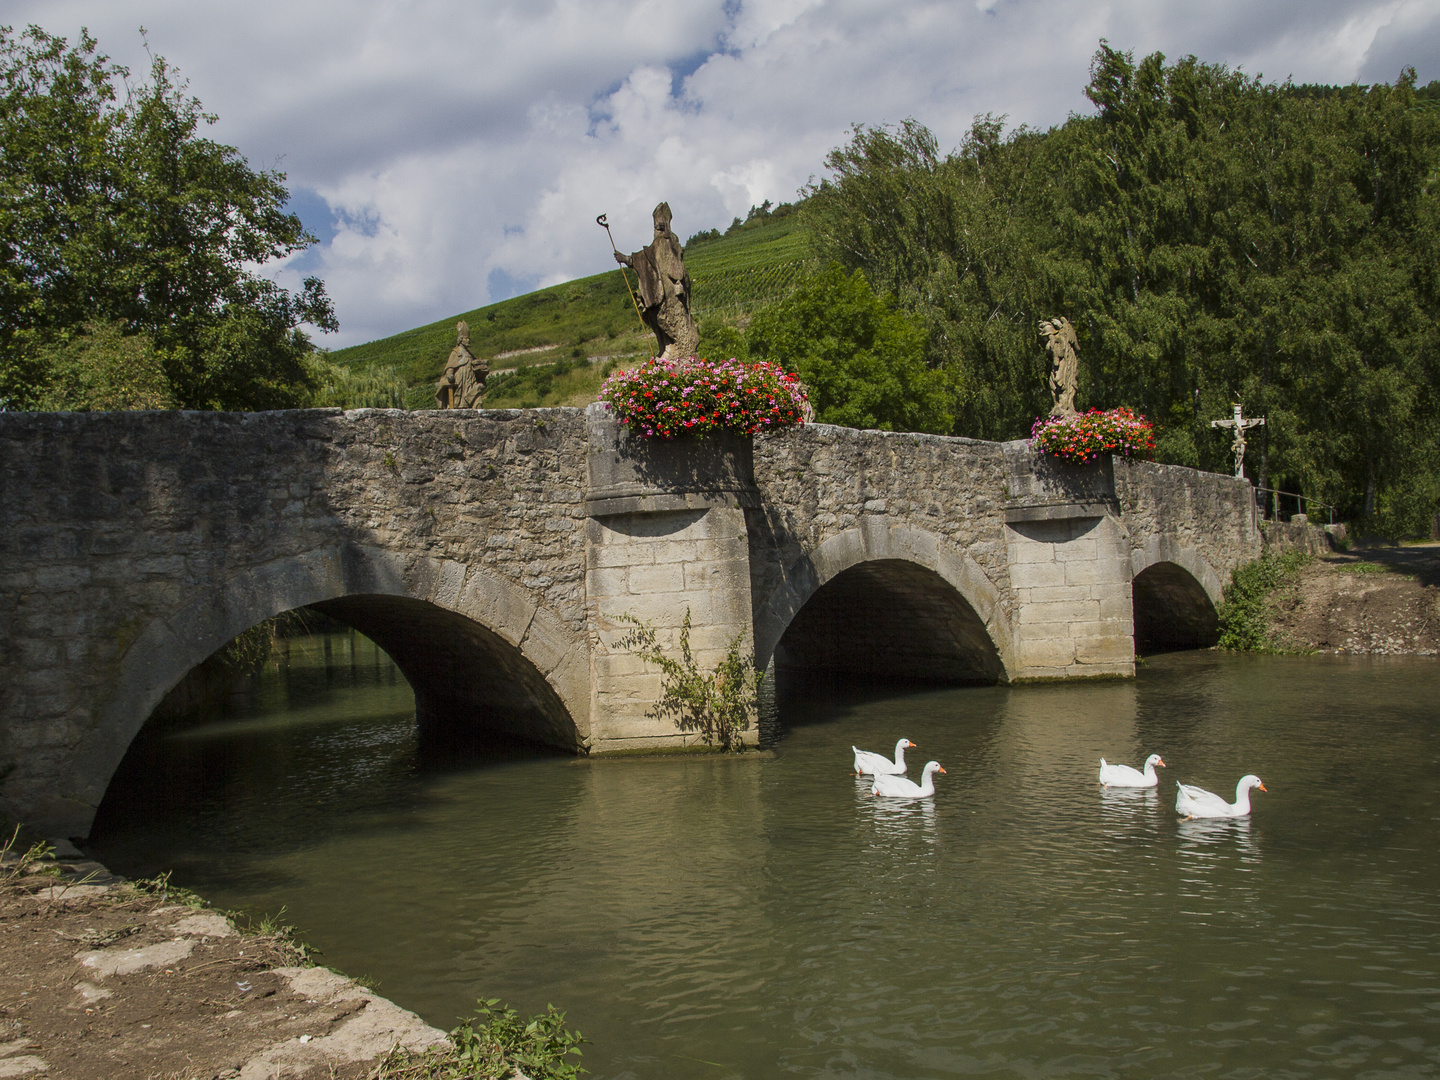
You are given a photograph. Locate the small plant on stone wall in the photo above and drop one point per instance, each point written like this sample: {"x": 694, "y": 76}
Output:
{"x": 720, "y": 704}
{"x": 1085, "y": 436}
{"x": 666, "y": 399}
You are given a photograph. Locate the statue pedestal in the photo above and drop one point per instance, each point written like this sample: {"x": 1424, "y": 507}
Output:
{"x": 1069, "y": 559}
{"x": 666, "y": 533}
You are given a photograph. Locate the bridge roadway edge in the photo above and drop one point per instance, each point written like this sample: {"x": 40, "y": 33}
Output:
{"x": 133, "y": 543}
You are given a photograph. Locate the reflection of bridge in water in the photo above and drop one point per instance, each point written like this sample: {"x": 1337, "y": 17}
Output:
{"x": 489, "y": 553}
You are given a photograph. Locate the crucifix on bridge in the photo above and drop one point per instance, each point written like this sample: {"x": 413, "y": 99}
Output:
{"x": 1239, "y": 423}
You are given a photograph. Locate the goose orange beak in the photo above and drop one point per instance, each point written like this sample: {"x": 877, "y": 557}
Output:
{"x": 1162, "y": 764}
{"x": 1262, "y": 786}
{"x": 941, "y": 769}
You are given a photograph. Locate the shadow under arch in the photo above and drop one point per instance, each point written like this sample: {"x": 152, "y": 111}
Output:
{"x": 1177, "y": 597}
{"x": 881, "y": 600}
{"x": 471, "y": 644}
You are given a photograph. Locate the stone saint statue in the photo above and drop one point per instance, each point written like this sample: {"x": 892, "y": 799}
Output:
{"x": 463, "y": 384}
{"x": 665, "y": 290}
{"x": 1063, "y": 348}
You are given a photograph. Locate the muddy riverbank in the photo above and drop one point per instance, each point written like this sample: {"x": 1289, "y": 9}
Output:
{"x": 1376, "y": 601}
{"x": 100, "y": 978}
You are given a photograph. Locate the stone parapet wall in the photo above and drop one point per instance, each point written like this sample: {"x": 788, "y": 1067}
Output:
{"x": 1168, "y": 508}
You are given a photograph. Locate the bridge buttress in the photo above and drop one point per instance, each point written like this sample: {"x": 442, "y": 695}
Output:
{"x": 665, "y": 535}
{"x": 1071, "y": 577}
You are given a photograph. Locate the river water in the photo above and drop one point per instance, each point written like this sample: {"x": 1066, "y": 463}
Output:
{"x": 763, "y": 916}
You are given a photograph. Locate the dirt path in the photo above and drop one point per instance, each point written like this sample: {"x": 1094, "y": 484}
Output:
{"x": 1381, "y": 600}
{"x": 99, "y": 981}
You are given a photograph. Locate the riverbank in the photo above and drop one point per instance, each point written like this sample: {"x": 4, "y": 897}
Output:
{"x": 1374, "y": 600}
{"x": 101, "y": 978}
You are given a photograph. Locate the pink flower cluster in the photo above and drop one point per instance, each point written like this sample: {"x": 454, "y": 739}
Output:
{"x": 665, "y": 399}
{"x": 1088, "y": 435}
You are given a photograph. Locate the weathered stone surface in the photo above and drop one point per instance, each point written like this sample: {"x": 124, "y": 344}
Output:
{"x": 469, "y": 546}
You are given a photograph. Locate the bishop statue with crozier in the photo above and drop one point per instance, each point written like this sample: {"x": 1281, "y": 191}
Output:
{"x": 665, "y": 290}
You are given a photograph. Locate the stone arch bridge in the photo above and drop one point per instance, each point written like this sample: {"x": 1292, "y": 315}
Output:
{"x": 490, "y": 553}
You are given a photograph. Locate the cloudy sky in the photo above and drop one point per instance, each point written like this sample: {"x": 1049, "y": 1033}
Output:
{"x": 449, "y": 153}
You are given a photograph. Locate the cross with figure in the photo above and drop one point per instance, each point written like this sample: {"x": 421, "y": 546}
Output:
{"x": 1239, "y": 423}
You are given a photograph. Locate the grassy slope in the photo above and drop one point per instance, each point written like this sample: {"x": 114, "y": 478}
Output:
{"x": 586, "y": 318}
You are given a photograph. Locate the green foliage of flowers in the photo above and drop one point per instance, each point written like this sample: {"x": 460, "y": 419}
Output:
{"x": 719, "y": 704}
{"x": 1244, "y": 622}
{"x": 1086, "y": 436}
{"x": 663, "y": 399}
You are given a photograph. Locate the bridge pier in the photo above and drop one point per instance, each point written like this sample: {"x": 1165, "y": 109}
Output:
{"x": 1069, "y": 560}
{"x": 666, "y": 536}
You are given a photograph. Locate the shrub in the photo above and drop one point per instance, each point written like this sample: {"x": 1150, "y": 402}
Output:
{"x": 1244, "y": 621}
{"x": 719, "y": 703}
{"x": 1088, "y": 435}
{"x": 664, "y": 399}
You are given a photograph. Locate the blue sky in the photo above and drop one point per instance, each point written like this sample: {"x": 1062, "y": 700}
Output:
{"x": 450, "y": 153}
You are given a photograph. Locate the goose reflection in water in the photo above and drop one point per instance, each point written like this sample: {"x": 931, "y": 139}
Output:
{"x": 1207, "y": 847}
{"x": 897, "y": 819}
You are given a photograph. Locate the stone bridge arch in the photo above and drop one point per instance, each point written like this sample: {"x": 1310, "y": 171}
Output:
{"x": 1177, "y": 595}
{"x": 465, "y": 638}
{"x": 894, "y": 557}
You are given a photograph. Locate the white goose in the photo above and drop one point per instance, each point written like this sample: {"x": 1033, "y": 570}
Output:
{"x": 898, "y": 787}
{"x": 867, "y": 763}
{"x": 1125, "y": 776}
{"x": 1194, "y": 802}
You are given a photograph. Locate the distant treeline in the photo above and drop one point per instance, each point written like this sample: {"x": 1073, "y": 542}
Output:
{"x": 763, "y": 214}
{"x": 1213, "y": 238}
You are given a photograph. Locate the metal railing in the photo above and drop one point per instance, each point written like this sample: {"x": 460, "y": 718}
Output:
{"x": 1272, "y": 512}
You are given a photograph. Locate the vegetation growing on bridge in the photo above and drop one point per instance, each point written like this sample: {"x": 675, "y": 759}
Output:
{"x": 719, "y": 704}
{"x": 1244, "y": 619}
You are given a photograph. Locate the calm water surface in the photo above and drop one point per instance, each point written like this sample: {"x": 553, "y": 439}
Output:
{"x": 755, "y": 917}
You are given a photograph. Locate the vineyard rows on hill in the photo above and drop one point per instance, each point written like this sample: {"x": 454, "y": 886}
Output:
{"x": 589, "y": 317}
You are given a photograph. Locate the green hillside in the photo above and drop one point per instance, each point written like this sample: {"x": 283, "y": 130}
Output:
{"x": 562, "y": 340}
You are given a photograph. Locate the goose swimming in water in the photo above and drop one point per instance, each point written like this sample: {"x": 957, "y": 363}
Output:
{"x": 1125, "y": 776}
{"x": 871, "y": 764}
{"x": 1194, "y": 802}
{"x": 898, "y": 787}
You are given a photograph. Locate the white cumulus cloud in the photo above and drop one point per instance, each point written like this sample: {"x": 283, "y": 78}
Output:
{"x": 450, "y": 154}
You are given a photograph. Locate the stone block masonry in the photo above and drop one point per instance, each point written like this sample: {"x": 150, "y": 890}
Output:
{"x": 657, "y": 567}
{"x": 491, "y": 553}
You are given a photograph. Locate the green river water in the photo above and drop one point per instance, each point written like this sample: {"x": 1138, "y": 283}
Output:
{"x": 763, "y": 916}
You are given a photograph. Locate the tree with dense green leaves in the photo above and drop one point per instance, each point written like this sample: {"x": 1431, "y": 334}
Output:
{"x": 117, "y": 216}
{"x": 1212, "y": 237}
{"x": 863, "y": 360}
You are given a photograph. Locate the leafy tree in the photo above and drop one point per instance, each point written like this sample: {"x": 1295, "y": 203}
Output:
{"x": 1213, "y": 238}
{"x": 116, "y": 211}
{"x": 863, "y": 361}
{"x": 97, "y": 366}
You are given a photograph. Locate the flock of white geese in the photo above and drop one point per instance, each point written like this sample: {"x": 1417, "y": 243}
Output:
{"x": 889, "y": 781}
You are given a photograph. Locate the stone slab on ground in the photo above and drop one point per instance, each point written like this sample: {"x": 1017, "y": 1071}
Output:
{"x": 98, "y": 982}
